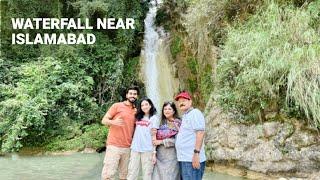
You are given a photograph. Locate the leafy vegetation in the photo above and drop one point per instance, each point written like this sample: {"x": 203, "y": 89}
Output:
{"x": 55, "y": 96}
{"x": 175, "y": 46}
{"x": 256, "y": 57}
{"x": 271, "y": 63}
{"x": 93, "y": 136}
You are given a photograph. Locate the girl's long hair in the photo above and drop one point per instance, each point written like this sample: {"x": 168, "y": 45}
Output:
{"x": 175, "y": 114}
{"x": 140, "y": 113}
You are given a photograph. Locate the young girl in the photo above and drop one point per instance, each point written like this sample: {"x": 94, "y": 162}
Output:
{"x": 142, "y": 149}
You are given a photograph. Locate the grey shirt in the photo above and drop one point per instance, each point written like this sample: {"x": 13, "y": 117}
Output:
{"x": 192, "y": 121}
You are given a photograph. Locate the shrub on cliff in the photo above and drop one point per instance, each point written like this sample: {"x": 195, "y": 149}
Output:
{"x": 271, "y": 63}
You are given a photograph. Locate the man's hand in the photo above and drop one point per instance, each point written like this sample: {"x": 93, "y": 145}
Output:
{"x": 107, "y": 120}
{"x": 196, "y": 156}
{"x": 117, "y": 122}
{"x": 196, "y": 161}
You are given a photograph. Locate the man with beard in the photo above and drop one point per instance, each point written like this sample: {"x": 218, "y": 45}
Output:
{"x": 121, "y": 120}
{"x": 189, "y": 140}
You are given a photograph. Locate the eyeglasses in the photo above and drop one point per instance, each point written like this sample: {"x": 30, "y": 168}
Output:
{"x": 168, "y": 102}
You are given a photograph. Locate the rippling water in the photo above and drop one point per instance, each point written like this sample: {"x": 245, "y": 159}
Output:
{"x": 76, "y": 166}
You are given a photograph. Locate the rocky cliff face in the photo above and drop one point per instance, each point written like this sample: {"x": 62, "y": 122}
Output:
{"x": 269, "y": 147}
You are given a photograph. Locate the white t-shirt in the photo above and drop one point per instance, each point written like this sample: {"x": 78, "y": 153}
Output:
{"x": 142, "y": 138}
{"x": 192, "y": 121}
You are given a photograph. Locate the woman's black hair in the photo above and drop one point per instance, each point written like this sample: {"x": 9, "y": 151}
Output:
{"x": 140, "y": 113}
{"x": 175, "y": 114}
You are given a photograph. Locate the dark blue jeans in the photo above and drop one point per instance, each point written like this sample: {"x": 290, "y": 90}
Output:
{"x": 189, "y": 173}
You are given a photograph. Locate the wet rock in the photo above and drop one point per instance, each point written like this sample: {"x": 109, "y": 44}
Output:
{"x": 302, "y": 139}
{"x": 315, "y": 176}
{"x": 269, "y": 166}
{"x": 270, "y": 147}
{"x": 88, "y": 150}
{"x": 285, "y": 132}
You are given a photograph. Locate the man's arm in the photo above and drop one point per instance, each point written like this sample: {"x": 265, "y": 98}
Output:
{"x": 199, "y": 141}
{"x": 108, "y": 121}
{"x": 198, "y": 125}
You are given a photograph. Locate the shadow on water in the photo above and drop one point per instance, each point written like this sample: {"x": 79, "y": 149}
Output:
{"x": 74, "y": 166}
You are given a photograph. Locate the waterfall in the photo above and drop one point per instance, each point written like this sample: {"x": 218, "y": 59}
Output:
{"x": 156, "y": 69}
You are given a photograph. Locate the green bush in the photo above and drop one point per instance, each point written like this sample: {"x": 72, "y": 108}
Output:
{"x": 175, "y": 46}
{"x": 206, "y": 22}
{"x": 45, "y": 89}
{"x": 162, "y": 19}
{"x": 199, "y": 79}
{"x": 192, "y": 64}
{"x": 44, "y": 100}
{"x": 271, "y": 63}
{"x": 206, "y": 82}
{"x": 93, "y": 136}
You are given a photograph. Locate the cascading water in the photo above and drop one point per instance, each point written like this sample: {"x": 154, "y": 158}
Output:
{"x": 151, "y": 46}
{"x": 156, "y": 69}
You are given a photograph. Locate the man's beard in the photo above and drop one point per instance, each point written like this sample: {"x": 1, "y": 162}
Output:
{"x": 131, "y": 100}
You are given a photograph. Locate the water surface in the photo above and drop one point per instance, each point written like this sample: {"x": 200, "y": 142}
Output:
{"x": 75, "y": 166}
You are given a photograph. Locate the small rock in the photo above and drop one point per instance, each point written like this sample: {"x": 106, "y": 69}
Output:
{"x": 270, "y": 129}
{"x": 88, "y": 150}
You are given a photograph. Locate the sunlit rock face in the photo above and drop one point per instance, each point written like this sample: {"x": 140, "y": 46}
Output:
{"x": 269, "y": 147}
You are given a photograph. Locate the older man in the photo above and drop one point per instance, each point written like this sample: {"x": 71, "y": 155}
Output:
{"x": 189, "y": 140}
